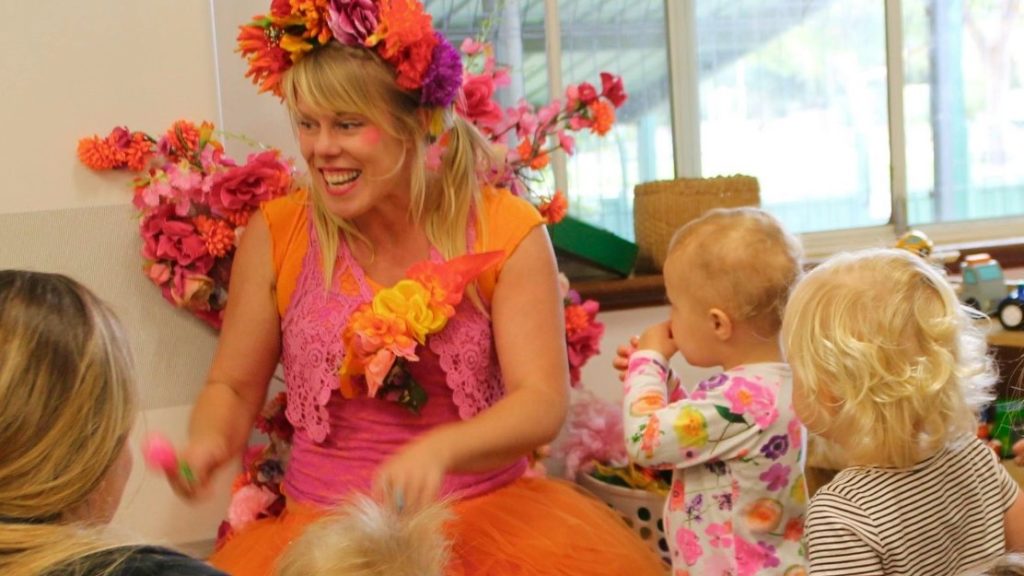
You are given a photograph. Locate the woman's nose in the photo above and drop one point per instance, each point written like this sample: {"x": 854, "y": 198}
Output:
{"x": 326, "y": 143}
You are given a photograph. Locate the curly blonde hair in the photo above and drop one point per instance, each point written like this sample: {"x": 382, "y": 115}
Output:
{"x": 890, "y": 364}
{"x": 365, "y": 538}
{"x": 740, "y": 260}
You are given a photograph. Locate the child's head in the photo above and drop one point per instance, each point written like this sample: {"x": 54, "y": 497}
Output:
{"x": 365, "y": 538}
{"x": 67, "y": 401}
{"x": 1010, "y": 564}
{"x": 731, "y": 266}
{"x": 886, "y": 362}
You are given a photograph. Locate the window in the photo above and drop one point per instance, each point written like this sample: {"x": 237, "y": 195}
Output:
{"x": 851, "y": 114}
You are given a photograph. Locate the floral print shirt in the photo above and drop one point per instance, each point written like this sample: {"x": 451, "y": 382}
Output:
{"x": 737, "y": 500}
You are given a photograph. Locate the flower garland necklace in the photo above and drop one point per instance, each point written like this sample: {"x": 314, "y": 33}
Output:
{"x": 382, "y": 335}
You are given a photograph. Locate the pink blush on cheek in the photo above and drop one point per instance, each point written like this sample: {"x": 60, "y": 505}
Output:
{"x": 371, "y": 136}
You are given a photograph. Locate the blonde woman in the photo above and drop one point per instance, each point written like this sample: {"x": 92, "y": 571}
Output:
{"x": 67, "y": 404}
{"x": 888, "y": 366}
{"x": 398, "y": 183}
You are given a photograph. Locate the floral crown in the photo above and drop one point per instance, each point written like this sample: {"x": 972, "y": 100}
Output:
{"x": 399, "y": 31}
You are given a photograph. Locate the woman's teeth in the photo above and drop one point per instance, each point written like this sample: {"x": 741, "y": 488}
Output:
{"x": 340, "y": 178}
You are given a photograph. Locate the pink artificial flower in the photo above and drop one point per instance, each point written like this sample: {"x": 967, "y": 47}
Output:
{"x": 434, "y": 153}
{"x": 377, "y": 369}
{"x": 477, "y": 104}
{"x": 352, "y": 21}
{"x": 583, "y": 336}
{"x": 470, "y": 47}
{"x": 577, "y": 123}
{"x": 612, "y": 89}
{"x": 191, "y": 290}
{"x": 549, "y": 112}
{"x": 247, "y": 504}
{"x": 572, "y": 97}
{"x": 594, "y": 434}
{"x": 165, "y": 238}
{"x": 158, "y": 273}
{"x": 262, "y": 177}
{"x": 567, "y": 142}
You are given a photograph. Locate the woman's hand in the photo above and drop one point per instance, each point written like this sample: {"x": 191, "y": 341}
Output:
{"x": 196, "y": 466}
{"x": 659, "y": 339}
{"x": 412, "y": 477}
{"x": 622, "y": 354}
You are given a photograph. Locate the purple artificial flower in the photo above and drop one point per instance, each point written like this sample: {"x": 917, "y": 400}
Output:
{"x": 444, "y": 75}
{"x": 352, "y": 21}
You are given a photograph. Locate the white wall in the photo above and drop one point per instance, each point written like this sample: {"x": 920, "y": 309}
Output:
{"x": 70, "y": 70}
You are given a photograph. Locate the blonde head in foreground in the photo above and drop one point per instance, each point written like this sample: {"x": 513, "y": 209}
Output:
{"x": 365, "y": 538}
{"x": 886, "y": 361}
{"x": 739, "y": 261}
{"x": 67, "y": 404}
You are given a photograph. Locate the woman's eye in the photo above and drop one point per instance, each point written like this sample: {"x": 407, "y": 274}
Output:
{"x": 305, "y": 124}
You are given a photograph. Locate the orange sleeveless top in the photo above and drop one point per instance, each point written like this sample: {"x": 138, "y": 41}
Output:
{"x": 507, "y": 218}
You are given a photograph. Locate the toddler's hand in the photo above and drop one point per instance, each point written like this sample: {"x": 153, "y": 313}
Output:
{"x": 659, "y": 339}
{"x": 1018, "y": 452}
{"x": 412, "y": 478}
{"x": 621, "y": 360}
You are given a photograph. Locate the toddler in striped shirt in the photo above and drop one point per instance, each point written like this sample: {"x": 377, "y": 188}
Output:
{"x": 889, "y": 367}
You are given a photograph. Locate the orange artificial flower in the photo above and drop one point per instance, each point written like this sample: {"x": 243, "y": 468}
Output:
{"x": 555, "y": 209}
{"x": 218, "y": 235}
{"x": 604, "y": 117}
{"x": 95, "y": 153}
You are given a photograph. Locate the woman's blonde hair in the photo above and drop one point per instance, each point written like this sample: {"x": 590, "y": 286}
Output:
{"x": 364, "y": 538}
{"x": 741, "y": 260}
{"x": 338, "y": 78}
{"x": 67, "y": 404}
{"x": 891, "y": 364}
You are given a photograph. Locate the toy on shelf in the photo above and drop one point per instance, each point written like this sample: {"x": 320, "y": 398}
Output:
{"x": 1011, "y": 309}
{"x": 919, "y": 243}
{"x": 982, "y": 286}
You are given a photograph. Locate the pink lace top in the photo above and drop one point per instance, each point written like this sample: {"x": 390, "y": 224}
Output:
{"x": 339, "y": 442}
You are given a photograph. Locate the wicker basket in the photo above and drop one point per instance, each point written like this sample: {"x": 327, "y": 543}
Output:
{"x": 639, "y": 508}
{"x": 662, "y": 206}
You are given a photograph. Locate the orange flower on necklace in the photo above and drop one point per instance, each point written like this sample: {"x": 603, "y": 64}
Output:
{"x": 382, "y": 335}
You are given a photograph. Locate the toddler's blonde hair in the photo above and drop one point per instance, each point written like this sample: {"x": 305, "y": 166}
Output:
{"x": 365, "y": 538}
{"x": 891, "y": 364}
{"x": 740, "y": 260}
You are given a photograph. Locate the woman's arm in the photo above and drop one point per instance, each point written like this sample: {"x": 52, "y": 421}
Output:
{"x": 247, "y": 353}
{"x": 529, "y": 336}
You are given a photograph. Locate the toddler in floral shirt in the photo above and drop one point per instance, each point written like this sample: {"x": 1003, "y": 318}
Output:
{"x": 738, "y": 497}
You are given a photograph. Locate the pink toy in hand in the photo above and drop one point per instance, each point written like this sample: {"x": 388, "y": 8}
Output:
{"x": 159, "y": 454}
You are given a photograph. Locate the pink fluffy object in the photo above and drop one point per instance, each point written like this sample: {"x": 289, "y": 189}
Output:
{"x": 159, "y": 453}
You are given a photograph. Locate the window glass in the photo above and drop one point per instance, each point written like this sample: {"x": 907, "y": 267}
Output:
{"x": 964, "y": 102}
{"x": 793, "y": 92}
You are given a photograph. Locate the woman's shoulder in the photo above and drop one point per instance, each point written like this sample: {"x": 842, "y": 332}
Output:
{"x": 500, "y": 204}
{"x": 149, "y": 561}
{"x": 286, "y": 208}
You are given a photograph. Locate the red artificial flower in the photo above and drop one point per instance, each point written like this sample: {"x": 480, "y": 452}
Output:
{"x": 96, "y": 154}
{"x": 583, "y": 336}
{"x": 587, "y": 93}
{"x": 612, "y": 89}
{"x": 267, "y": 60}
{"x": 218, "y": 235}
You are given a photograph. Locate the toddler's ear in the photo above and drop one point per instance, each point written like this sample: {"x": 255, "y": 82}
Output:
{"x": 721, "y": 324}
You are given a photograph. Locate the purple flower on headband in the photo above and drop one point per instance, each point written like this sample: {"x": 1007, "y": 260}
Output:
{"x": 444, "y": 75}
{"x": 352, "y": 21}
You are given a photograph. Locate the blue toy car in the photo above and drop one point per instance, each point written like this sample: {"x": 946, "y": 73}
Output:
{"x": 1011, "y": 309}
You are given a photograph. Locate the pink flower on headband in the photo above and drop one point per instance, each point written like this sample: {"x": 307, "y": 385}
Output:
{"x": 352, "y": 21}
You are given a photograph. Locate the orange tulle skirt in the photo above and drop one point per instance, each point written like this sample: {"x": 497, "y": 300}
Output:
{"x": 537, "y": 527}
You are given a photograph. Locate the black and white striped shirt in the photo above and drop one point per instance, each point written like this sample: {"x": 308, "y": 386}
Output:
{"x": 941, "y": 516}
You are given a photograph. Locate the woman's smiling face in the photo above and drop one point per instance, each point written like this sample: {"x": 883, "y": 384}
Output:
{"x": 359, "y": 166}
